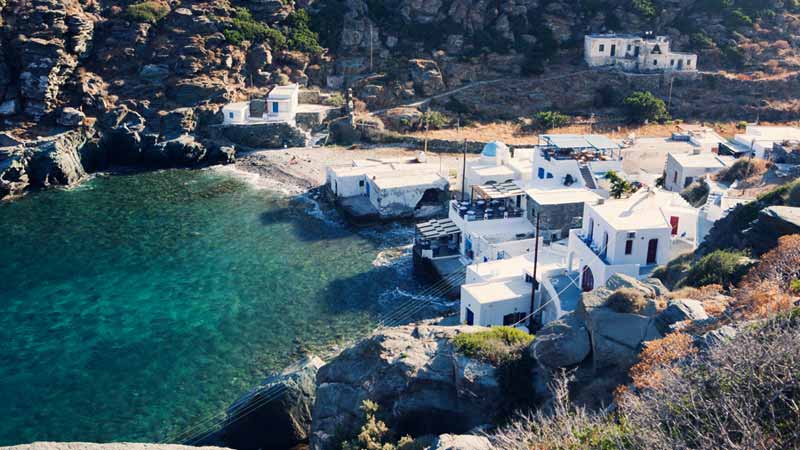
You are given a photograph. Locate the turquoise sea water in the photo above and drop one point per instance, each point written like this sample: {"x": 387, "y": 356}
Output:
{"x": 135, "y": 306}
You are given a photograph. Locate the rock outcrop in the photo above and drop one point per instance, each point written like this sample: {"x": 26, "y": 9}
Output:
{"x": 276, "y": 415}
{"x": 617, "y": 336}
{"x": 461, "y": 442}
{"x": 562, "y": 343}
{"x": 420, "y": 383}
{"x": 267, "y": 135}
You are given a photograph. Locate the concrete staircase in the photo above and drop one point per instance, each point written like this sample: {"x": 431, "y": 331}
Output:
{"x": 587, "y": 177}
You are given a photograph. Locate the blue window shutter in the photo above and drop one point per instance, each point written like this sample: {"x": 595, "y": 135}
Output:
{"x": 541, "y": 172}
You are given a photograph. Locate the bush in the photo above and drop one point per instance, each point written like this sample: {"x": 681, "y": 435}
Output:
{"x": 336, "y": 99}
{"x": 643, "y": 106}
{"x": 657, "y": 356}
{"x": 149, "y": 11}
{"x": 497, "y": 345}
{"x": 767, "y": 287}
{"x": 696, "y": 193}
{"x": 740, "y": 394}
{"x": 243, "y": 27}
{"x": 434, "y": 119}
{"x": 721, "y": 267}
{"x": 743, "y": 169}
{"x": 551, "y": 119}
{"x": 301, "y": 38}
{"x": 375, "y": 435}
{"x": 627, "y": 300}
{"x": 646, "y": 8}
{"x": 794, "y": 195}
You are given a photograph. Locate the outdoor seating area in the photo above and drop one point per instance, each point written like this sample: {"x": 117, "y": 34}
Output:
{"x": 491, "y": 201}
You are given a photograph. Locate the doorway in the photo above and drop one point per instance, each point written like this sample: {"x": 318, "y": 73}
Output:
{"x": 613, "y": 49}
{"x": 652, "y": 251}
{"x": 470, "y": 317}
{"x": 587, "y": 280}
{"x": 673, "y": 222}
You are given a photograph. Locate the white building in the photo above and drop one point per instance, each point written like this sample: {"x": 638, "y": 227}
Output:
{"x": 389, "y": 188}
{"x": 631, "y": 236}
{"x": 635, "y": 53}
{"x": 758, "y": 140}
{"x": 574, "y": 161}
{"x": 496, "y": 165}
{"x": 683, "y": 169}
{"x": 236, "y": 113}
{"x": 499, "y": 292}
{"x": 280, "y": 106}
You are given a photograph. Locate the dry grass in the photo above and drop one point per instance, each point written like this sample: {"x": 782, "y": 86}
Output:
{"x": 748, "y": 172}
{"x": 766, "y": 289}
{"x": 626, "y": 300}
{"x": 657, "y": 358}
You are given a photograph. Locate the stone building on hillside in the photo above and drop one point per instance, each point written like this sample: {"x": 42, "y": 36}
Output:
{"x": 635, "y": 53}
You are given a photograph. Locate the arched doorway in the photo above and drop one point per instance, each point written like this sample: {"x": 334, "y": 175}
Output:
{"x": 587, "y": 280}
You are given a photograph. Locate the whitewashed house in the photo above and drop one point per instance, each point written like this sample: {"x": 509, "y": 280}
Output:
{"x": 282, "y": 103}
{"x": 280, "y": 106}
{"x": 636, "y": 53}
{"x": 758, "y": 140}
{"x": 574, "y": 161}
{"x": 499, "y": 292}
{"x": 388, "y": 188}
{"x": 497, "y": 165}
{"x": 631, "y": 236}
{"x": 236, "y": 113}
{"x": 683, "y": 169}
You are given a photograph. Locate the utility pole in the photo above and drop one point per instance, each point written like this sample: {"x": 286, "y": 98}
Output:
{"x": 535, "y": 284}
{"x": 464, "y": 171}
{"x": 370, "y": 48}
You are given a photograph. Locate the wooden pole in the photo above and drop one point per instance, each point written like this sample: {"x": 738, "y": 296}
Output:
{"x": 535, "y": 284}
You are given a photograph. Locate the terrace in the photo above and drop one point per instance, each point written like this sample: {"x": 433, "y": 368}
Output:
{"x": 490, "y": 201}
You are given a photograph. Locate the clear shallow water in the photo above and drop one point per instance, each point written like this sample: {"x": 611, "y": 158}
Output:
{"x": 135, "y": 306}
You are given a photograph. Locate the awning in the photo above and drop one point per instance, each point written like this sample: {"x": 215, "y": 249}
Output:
{"x": 497, "y": 191}
{"x": 437, "y": 228}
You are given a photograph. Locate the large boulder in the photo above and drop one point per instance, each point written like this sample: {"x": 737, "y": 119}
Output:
{"x": 265, "y": 135}
{"x": 617, "y": 337}
{"x": 277, "y": 414}
{"x": 427, "y": 77}
{"x": 562, "y": 343}
{"x": 14, "y": 177}
{"x": 461, "y": 442}
{"x": 772, "y": 223}
{"x": 71, "y": 117}
{"x": 421, "y": 384}
{"x": 679, "y": 310}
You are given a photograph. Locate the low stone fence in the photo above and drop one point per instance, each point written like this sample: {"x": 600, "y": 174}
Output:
{"x": 434, "y": 145}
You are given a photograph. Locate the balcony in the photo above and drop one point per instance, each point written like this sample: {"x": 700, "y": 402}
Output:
{"x": 590, "y": 245}
{"x": 485, "y": 210}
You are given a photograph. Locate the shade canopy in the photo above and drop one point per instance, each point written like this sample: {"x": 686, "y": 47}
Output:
{"x": 437, "y": 228}
{"x": 497, "y": 191}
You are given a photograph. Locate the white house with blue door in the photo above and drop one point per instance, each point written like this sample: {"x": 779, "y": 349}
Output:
{"x": 280, "y": 106}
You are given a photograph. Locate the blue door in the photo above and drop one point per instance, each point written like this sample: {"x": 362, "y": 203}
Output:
{"x": 367, "y": 189}
{"x": 275, "y": 107}
{"x": 470, "y": 317}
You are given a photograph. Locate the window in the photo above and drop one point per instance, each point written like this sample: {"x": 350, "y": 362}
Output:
{"x": 629, "y": 246}
{"x": 360, "y": 183}
{"x": 688, "y": 63}
{"x": 675, "y": 177}
{"x": 655, "y": 63}
{"x": 513, "y": 318}
{"x": 602, "y": 48}
{"x": 540, "y": 173}
{"x": 671, "y": 62}
{"x": 230, "y": 115}
{"x": 549, "y": 175}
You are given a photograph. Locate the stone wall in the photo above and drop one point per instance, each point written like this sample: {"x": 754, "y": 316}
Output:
{"x": 555, "y": 218}
{"x": 264, "y": 135}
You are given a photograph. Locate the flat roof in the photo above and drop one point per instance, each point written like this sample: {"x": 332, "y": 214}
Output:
{"x": 642, "y": 210}
{"x": 499, "y": 291}
{"x": 399, "y": 180}
{"x": 281, "y": 92}
{"x": 596, "y": 141}
{"x": 237, "y": 105}
{"x": 703, "y": 160}
{"x": 493, "y": 170}
{"x": 562, "y": 196}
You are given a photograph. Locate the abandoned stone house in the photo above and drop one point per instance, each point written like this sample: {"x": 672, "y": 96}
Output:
{"x": 635, "y": 53}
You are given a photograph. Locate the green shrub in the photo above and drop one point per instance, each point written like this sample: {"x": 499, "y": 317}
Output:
{"x": 301, "y": 38}
{"x": 696, "y": 193}
{"x": 721, "y": 267}
{"x": 243, "y": 27}
{"x": 376, "y": 435}
{"x": 627, "y": 300}
{"x": 645, "y": 8}
{"x": 794, "y": 195}
{"x": 434, "y": 119}
{"x": 496, "y": 345}
{"x": 149, "y": 11}
{"x": 550, "y": 119}
{"x": 701, "y": 40}
{"x": 643, "y": 106}
{"x": 336, "y": 99}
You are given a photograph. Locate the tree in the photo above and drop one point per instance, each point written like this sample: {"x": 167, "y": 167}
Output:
{"x": 619, "y": 186}
{"x": 551, "y": 119}
{"x": 643, "y": 106}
